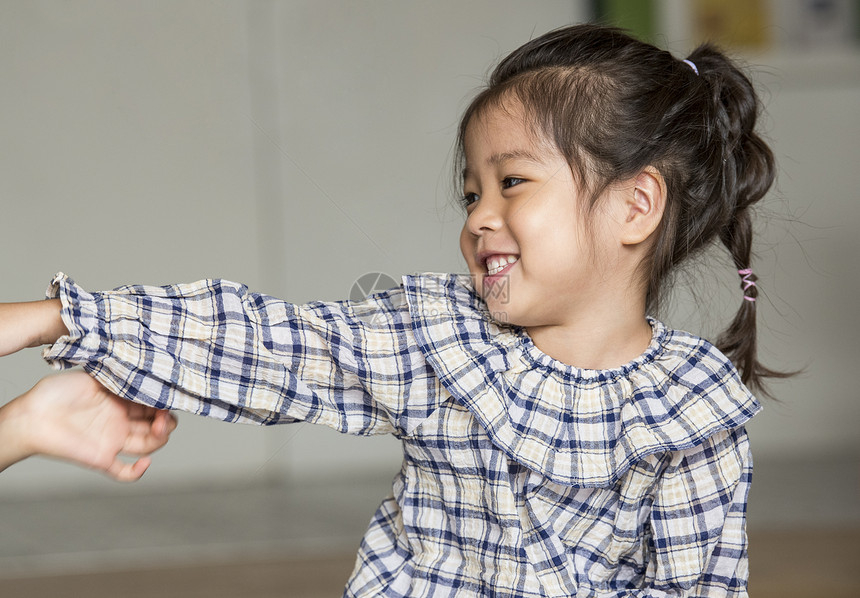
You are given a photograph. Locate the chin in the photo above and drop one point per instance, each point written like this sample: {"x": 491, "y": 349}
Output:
{"x": 502, "y": 317}
{"x": 503, "y": 313}
{"x": 496, "y": 295}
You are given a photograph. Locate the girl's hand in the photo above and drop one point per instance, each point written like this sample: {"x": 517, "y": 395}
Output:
{"x": 29, "y": 325}
{"x": 70, "y": 416}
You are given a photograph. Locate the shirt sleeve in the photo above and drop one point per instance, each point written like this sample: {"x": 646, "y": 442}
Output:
{"x": 212, "y": 348}
{"x": 698, "y": 520}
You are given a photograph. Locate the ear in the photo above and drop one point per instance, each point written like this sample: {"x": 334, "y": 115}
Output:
{"x": 643, "y": 206}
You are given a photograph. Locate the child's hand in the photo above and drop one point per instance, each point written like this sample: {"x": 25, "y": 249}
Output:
{"x": 71, "y": 416}
{"x": 29, "y": 325}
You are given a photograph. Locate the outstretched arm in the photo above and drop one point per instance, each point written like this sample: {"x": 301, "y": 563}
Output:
{"x": 215, "y": 349}
{"x": 72, "y": 417}
{"x": 29, "y": 325}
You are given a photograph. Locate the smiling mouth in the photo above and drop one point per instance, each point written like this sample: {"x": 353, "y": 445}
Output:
{"x": 499, "y": 263}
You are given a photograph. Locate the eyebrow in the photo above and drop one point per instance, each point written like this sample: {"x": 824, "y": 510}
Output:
{"x": 499, "y": 158}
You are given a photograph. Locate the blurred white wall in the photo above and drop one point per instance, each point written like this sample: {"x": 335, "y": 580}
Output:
{"x": 127, "y": 155}
{"x": 297, "y": 145}
{"x": 292, "y": 146}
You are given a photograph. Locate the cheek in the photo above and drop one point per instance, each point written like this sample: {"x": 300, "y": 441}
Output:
{"x": 467, "y": 245}
{"x": 599, "y": 240}
{"x": 556, "y": 236}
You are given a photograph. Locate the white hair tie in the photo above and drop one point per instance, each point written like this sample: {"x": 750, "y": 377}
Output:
{"x": 692, "y": 66}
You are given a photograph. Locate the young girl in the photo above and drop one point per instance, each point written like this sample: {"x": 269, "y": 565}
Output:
{"x": 556, "y": 441}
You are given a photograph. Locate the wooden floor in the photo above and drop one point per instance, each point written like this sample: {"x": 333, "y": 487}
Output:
{"x": 293, "y": 578}
{"x": 808, "y": 564}
{"x": 784, "y": 564}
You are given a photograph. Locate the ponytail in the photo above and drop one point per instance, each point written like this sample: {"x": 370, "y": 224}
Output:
{"x": 747, "y": 171}
{"x": 739, "y": 340}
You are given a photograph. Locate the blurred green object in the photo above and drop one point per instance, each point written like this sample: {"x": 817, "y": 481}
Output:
{"x": 636, "y": 16}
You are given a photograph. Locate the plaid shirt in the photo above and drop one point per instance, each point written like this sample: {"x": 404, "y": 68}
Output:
{"x": 522, "y": 476}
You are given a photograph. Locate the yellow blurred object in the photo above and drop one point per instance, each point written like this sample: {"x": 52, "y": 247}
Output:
{"x": 732, "y": 23}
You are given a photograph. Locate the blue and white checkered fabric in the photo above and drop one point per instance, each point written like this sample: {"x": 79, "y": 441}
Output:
{"x": 522, "y": 476}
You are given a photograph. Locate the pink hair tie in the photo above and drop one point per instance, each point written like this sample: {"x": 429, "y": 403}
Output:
{"x": 746, "y": 282}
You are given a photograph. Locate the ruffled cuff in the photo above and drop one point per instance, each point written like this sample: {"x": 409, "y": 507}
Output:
{"x": 81, "y": 315}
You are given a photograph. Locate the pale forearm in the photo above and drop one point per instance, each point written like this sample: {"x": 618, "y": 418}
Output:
{"x": 24, "y": 325}
{"x": 30, "y": 324}
{"x": 14, "y": 434}
{"x": 72, "y": 417}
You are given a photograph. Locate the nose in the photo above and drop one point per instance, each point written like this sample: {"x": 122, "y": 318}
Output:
{"x": 486, "y": 216}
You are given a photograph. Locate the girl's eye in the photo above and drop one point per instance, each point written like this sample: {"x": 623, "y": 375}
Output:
{"x": 469, "y": 199}
{"x": 511, "y": 181}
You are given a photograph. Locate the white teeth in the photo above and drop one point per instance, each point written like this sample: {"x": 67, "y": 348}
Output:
{"x": 498, "y": 263}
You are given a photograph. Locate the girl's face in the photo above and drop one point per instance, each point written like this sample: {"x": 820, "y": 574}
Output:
{"x": 532, "y": 257}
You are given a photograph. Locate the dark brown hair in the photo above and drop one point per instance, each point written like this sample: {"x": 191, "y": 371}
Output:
{"x": 612, "y": 106}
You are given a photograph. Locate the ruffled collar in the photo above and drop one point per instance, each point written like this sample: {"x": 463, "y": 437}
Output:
{"x": 577, "y": 427}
